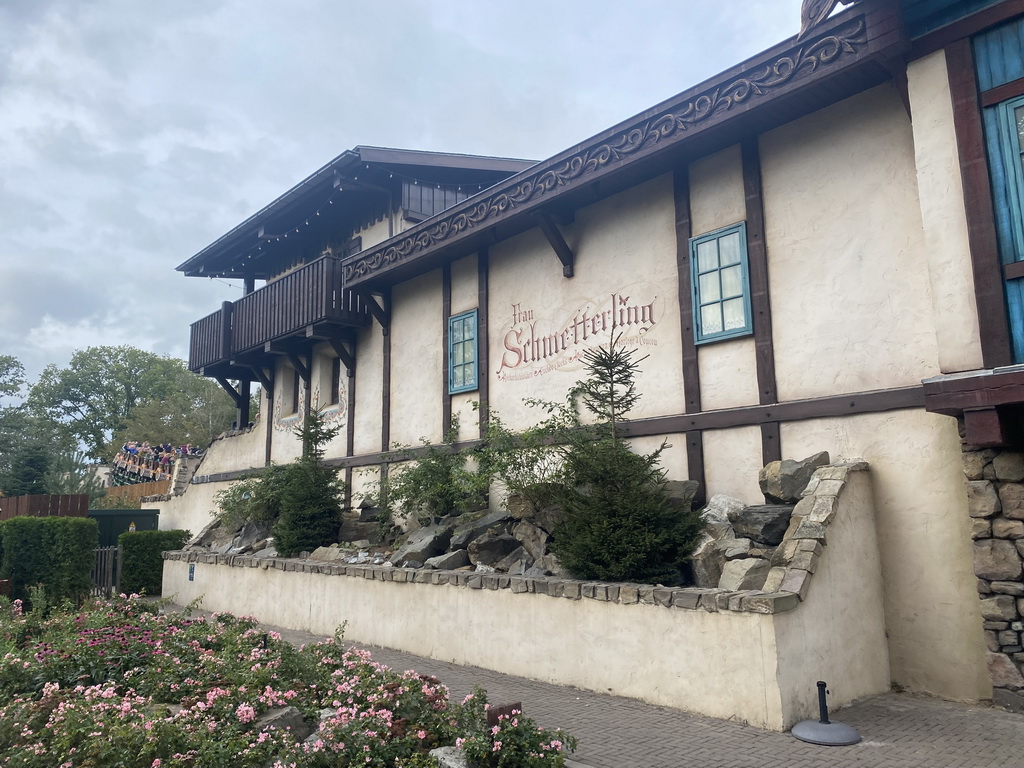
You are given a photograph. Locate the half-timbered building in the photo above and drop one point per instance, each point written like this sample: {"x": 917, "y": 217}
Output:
{"x": 821, "y": 248}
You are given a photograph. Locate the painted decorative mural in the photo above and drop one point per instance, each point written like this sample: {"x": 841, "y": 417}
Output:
{"x": 536, "y": 340}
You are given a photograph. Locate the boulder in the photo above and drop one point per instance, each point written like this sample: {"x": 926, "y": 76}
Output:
{"x": 201, "y": 538}
{"x": 549, "y": 517}
{"x": 996, "y": 560}
{"x": 331, "y": 554}
{"x": 766, "y": 524}
{"x": 471, "y": 528}
{"x": 354, "y": 530}
{"x": 782, "y": 482}
{"x": 516, "y": 562}
{"x": 449, "y": 561}
{"x": 720, "y": 507}
{"x": 534, "y": 539}
{"x": 423, "y": 544}
{"x": 491, "y": 548}
{"x": 449, "y": 757}
{"x": 283, "y": 719}
{"x": 246, "y": 539}
{"x": 749, "y": 573}
{"x": 736, "y": 548}
{"x": 550, "y": 564}
{"x": 707, "y": 562}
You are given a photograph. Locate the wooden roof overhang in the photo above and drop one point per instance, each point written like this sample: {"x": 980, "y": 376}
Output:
{"x": 854, "y": 50}
{"x": 353, "y": 184}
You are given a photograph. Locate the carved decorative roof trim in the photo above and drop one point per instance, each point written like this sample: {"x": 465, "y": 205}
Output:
{"x": 531, "y": 188}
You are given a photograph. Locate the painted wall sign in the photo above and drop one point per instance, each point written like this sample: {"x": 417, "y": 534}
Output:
{"x": 532, "y": 345}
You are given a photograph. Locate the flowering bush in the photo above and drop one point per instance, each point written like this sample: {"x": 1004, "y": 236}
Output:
{"x": 117, "y": 685}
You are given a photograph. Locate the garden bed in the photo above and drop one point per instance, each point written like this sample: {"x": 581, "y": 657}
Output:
{"x": 117, "y": 685}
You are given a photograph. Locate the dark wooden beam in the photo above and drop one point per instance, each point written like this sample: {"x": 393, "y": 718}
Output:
{"x": 956, "y": 394}
{"x": 262, "y": 377}
{"x": 691, "y": 369}
{"x": 446, "y": 312}
{"x": 483, "y": 311}
{"x": 348, "y": 359}
{"x": 385, "y": 386}
{"x": 232, "y": 392}
{"x": 1003, "y": 92}
{"x": 996, "y": 349}
{"x": 558, "y": 245}
{"x": 760, "y": 299}
{"x": 300, "y": 366}
{"x": 835, "y": 406}
{"x": 986, "y": 428}
{"x": 381, "y": 310}
{"x": 268, "y": 424}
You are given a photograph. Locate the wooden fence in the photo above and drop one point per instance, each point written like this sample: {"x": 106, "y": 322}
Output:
{"x": 106, "y": 571}
{"x": 138, "y": 490}
{"x": 44, "y": 505}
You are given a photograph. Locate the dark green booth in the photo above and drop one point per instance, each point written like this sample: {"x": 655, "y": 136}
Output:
{"x": 114, "y": 522}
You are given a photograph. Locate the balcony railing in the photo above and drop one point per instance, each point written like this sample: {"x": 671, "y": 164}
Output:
{"x": 310, "y": 296}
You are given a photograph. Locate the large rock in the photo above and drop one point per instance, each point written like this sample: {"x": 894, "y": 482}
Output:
{"x": 744, "y": 574}
{"x": 449, "y": 561}
{"x": 534, "y": 539}
{"x": 246, "y": 539}
{"x": 549, "y": 517}
{"x": 491, "y": 548}
{"x": 469, "y": 529}
{"x": 996, "y": 560}
{"x": 354, "y": 529}
{"x": 707, "y": 561}
{"x": 782, "y": 482}
{"x": 449, "y": 757}
{"x": 765, "y": 524}
{"x": 283, "y": 719}
{"x": 423, "y": 544}
{"x": 550, "y": 564}
{"x": 516, "y": 562}
{"x": 332, "y": 554}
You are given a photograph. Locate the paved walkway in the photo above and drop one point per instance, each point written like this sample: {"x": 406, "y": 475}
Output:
{"x": 898, "y": 730}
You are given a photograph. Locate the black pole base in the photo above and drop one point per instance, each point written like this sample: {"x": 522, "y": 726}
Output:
{"x": 825, "y": 734}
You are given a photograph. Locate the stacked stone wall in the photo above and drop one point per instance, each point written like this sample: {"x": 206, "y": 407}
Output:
{"x": 995, "y": 495}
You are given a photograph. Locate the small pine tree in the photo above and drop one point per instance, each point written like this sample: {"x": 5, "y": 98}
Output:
{"x": 620, "y": 523}
{"x": 310, "y": 494}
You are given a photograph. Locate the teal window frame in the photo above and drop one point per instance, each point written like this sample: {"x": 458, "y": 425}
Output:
{"x": 1012, "y": 152}
{"x": 463, "y": 352}
{"x": 713, "y": 285}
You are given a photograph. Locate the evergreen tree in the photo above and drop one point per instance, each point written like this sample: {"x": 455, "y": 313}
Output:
{"x": 620, "y": 524}
{"x": 311, "y": 493}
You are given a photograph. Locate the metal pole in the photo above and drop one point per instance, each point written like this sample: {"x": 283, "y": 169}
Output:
{"x": 822, "y": 704}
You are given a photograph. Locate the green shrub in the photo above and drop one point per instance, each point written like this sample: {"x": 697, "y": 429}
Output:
{"x": 55, "y": 552}
{"x": 437, "y": 483}
{"x": 619, "y": 522}
{"x": 142, "y": 566}
{"x": 253, "y": 499}
{"x": 310, "y": 495}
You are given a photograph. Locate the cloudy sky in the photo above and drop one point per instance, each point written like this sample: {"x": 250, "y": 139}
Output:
{"x": 135, "y": 132}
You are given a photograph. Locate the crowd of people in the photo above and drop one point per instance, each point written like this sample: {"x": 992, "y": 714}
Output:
{"x": 141, "y": 462}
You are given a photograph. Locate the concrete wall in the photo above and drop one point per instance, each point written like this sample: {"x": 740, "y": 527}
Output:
{"x": 706, "y": 651}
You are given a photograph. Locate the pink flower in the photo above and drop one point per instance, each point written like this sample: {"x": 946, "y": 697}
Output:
{"x": 421, "y": 734}
{"x": 497, "y": 746}
{"x": 245, "y": 713}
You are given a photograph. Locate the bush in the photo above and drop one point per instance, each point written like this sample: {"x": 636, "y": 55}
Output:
{"x": 254, "y": 499}
{"x": 55, "y": 552}
{"x": 142, "y": 567}
{"x": 310, "y": 495}
{"x": 439, "y": 482}
{"x": 620, "y": 523}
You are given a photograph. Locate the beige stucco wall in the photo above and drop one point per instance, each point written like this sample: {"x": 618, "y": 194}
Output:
{"x": 848, "y": 274}
{"x": 369, "y": 382}
{"x": 732, "y": 458}
{"x": 285, "y": 445}
{"x": 838, "y": 633}
{"x": 931, "y": 605}
{"x": 625, "y": 247}
{"x": 940, "y": 186}
{"x": 728, "y": 373}
{"x": 191, "y": 511}
{"x": 417, "y": 357}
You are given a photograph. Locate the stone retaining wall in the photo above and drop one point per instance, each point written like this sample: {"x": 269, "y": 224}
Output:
{"x": 995, "y": 495}
{"x": 746, "y": 655}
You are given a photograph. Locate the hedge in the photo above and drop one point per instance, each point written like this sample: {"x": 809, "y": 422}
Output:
{"x": 142, "y": 566}
{"x": 55, "y": 552}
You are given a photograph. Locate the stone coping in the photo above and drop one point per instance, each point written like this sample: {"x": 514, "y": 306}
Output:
{"x": 785, "y": 588}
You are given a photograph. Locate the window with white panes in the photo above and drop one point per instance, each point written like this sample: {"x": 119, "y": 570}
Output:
{"x": 462, "y": 352}
{"x": 720, "y": 284}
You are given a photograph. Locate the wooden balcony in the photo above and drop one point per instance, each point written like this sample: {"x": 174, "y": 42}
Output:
{"x": 307, "y": 304}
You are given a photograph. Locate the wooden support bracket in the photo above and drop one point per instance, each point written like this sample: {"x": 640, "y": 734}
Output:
{"x": 301, "y": 367}
{"x": 345, "y": 355}
{"x": 234, "y": 393}
{"x": 561, "y": 248}
{"x": 261, "y": 376}
{"x": 381, "y": 310}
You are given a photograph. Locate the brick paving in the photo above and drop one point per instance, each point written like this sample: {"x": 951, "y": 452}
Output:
{"x": 898, "y": 730}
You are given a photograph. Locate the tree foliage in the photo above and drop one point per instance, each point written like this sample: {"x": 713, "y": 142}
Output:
{"x": 619, "y": 522}
{"x": 106, "y": 393}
